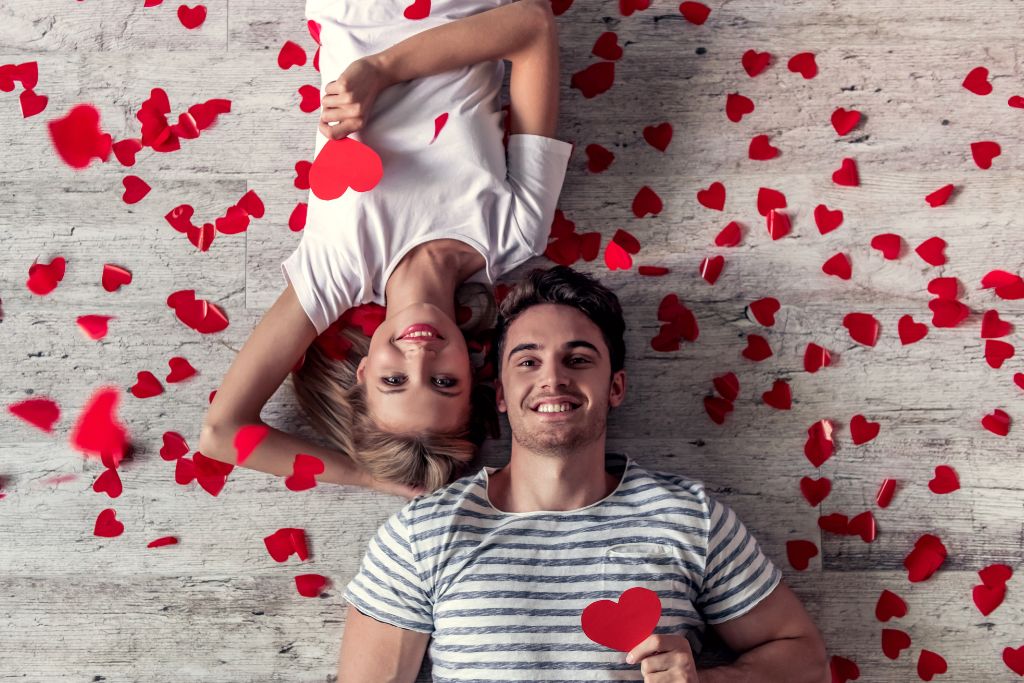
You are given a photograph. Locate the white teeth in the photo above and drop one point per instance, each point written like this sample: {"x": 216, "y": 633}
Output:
{"x": 554, "y": 407}
{"x": 418, "y": 334}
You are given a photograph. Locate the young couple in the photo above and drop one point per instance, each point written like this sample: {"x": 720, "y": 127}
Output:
{"x": 494, "y": 569}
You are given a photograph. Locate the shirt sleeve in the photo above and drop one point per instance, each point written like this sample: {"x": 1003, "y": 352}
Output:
{"x": 390, "y": 585}
{"x": 322, "y": 282}
{"x": 737, "y": 574}
{"x": 536, "y": 171}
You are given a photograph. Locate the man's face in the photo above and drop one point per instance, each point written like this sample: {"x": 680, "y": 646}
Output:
{"x": 556, "y": 382}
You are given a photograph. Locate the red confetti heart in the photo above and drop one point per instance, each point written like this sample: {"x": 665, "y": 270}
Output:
{"x": 861, "y": 430}
{"x": 125, "y": 150}
{"x": 598, "y": 158}
{"x": 838, "y": 265}
{"x": 594, "y": 80}
{"x": 997, "y": 422}
{"x": 911, "y": 332}
{"x": 894, "y": 641}
{"x": 992, "y": 326}
{"x": 987, "y": 598}
{"x": 737, "y": 106}
{"x": 646, "y": 202}
{"x": 162, "y": 541}
{"x": 761, "y": 149}
{"x": 713, "y": 197}
{"x": 181, "y": 370}
{"x": 997, "y": 352}
{"x": 778, "y": 224}
{"x": 711, "y": 268}
{"x": 1007, "y": 285}
{"x": 755, "y": 62}
{"x": 885, "y": 492}
{"x": 191, "y": 18}
{"x": 728, "y": 385}
{"x": 846, "y": 174}
{"x": 1014, "y": 659}
{"x": 845, "y": 120}
{"x": 658, "y": 136}
{"x": 291, "y": 54}
{"x": 135, "y": 188}
{"x": 803, "y": 63}
{"x": 309, "y": 98}
{"x": 815, "y": 490}
{"x": 929, "y": 665}
{"x": 653, "y": 271}
{"x": 109, "y": 483}
{"x": 931, "y": 250}
{"x": 984, "y": 152}
{"x": 93, "y": 326}
{"x": 764, "y": 310}
{"x": 1017, "y": 102}
{"x": 146, "y": 385}
{"x": 816, "y": 358}
{"x": 694, "y": 12}
{"x": 819, "y": 446}
{"x": 944, "y": 287}
{"x": 800, "y": 553}
{"x": 234, "y": 221}
{"x": 247, "y": 438}
{"x": 210, "y": 474}
{"x": 616, "y": 258}
{"x": 768, "y": 200}
{"x": 42, "y": 413}
{"x": 311, "y": 585}
{"x": 717, "y": 408}
{"x": 843, "y": 669}
{"x": 889, "y": 244}
{"x": 304, "y": 471}
{"x": 996, "y": 575}
{"x": 977, "y": 81}
{"x": 730, "y": 235}
{"x": 184, "y": 471}
{"x": 107, "y": 524}
{"x": 1018, "y": 379}
{"x": 43, "y": 278}
{"x": 927, "y": 556}
{"x": 864, "y": 525}
{"x": 939, "y": 196}
{"x": 114, "y": 277}
{"x": 827, "y": 220}
{"x": 835, "y": 523}
{"x": 77, "y": 137}
{"x": 890, "y": 606}
{"x": 779, "y": 397}
{"x": 624, "y": 624}
{"x": 627, "y": 7}
{"x": 607, "y": 46}
{"x": 944, "y": 481}
{"x": 32, "y": 103}
{"x": 342, "y": 164}
{"x": 947, "y": 312}
{"x": 863, "y": 328}
{"x": 757, "y": 348}
{"x": 174, "y": 446}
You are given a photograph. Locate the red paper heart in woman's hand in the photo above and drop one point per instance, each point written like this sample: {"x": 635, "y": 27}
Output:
{"x": 342, "y": 164}
{"x": 624, "y": 624}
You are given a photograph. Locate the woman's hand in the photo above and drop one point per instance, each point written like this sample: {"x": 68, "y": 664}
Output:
{"x": 665, "y": 659}
{"x": 347, "y": 101}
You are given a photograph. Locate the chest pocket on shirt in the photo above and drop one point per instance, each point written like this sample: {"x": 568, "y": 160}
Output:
{"x": 651, "y": 565}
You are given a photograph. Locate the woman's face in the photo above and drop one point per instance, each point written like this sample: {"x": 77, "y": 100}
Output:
{"x": 417, "y": 373}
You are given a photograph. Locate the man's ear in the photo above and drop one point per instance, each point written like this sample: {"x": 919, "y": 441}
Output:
{"x": 361, "y": 371}
{"x": 617, "y": 390}
{"x": 499, "y": 396}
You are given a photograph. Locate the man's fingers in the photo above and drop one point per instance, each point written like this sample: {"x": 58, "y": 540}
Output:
{"x": 647, "y": 646}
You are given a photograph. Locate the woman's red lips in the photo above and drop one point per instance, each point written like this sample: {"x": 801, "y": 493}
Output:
{"x": 420, "y": 327}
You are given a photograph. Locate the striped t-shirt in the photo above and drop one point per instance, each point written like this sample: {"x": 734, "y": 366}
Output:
{"x": 502, "y": 592}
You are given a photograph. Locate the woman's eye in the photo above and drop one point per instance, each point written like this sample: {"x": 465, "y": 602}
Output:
{"x": 445, "y": 382}
{"x": 394, "y": 380}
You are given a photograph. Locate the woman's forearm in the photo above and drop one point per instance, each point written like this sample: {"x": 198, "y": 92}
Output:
{"x": 486, "y": 36}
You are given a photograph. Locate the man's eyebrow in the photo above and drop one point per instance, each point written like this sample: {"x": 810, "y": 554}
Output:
{"x": 436, "y": 390}
{"x": 574, "y": 344}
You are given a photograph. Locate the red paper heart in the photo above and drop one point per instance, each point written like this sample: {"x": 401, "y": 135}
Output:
{"x": 861, "y": 430}
{"x": 653, "y": 271}
{"x": 32, "y": 103}
{"x": 843, "y": 669}
{"x": 616, "y": 258}
{"x": 594, "y": 80}
{"x": 779, "y": 397}
{"x": 835, "y": 523}
{"x": 819, "y": 446}
{"x": 995, "y": 575}
{"x": 987, "y": 598}
{"x": 77, "y": 137}
{"x": 42, "y": 413}
{"x": 210, "y": 474}
{"x": 816, "y": 358}
{"x": 944, "y": 481}
{"x": 778, "y": 224}
{"x": 1018, "y": 379}
{"x": 598, "y": 158}
{"x": 769, "y": 200}
{"x": 658, "y": 136}
{"x": 627, "y": 7}
{"x": 757, "y": 348}
{"x": 889, "y": 244}
{"x": 728, "y": 385}
{"x": 927, "y": 556}
{"x": 174, "y": 446}
{"x": 1007, "y": 285}
{"x": 947, "y": 312}
{"x": 717, "y": 408}
{"x": 977, "y": 81}
{"x": 730, "y": 235}
{"x": 885, "y": 492}
{"x": 181, "y": 370}
{"x": 312, "y": 585}
{"x": 815, "y": 490}
{"x": 184, "y": 471}
{"x": 713, "y": 197}
{"x": 147, "y": 385}
{"x": 800, "y": 553}
{"x": 247, "y": 438}
{"x": 1014, "y": 659}
{"x": 694, "y": 12}
{"x": 997, "y": 352}
{"x": 107, "y": 525}
{"x": 761, "y": 149}
{"x": 764, "y": 310}
{"x": 711, "y": 268}
{"x": 291, "y": 54}
{"x": 984, "y": 152}
{"x": 607, "y": 46}
{"x": 342, "y": 164}
{"x": 191, "y": 18}
{"x": 944, "y": 287}
{"x": 998, "y": 422}
{"x": 803, "y": 63}
{"x": 890, "y": 606}
{"x": 646, "y": 202}
{"x": 827, "y": 220}
{"x": 737, "y": 106}
{"x": 846, "y": 174}
{"x": 624, "y": 624}
{"x": 162, "y": 541}
{"x": 93, "y": 326}
{"x": 992, "y": 326}
{"x": 931, "y": 250}
{"x": 844, "y": 121}
{"x": 863, "y": 328}
{"x": 109, "y": 482}
{"x": 894, "y": 641}
{"x": 304, "y": 470}
{"x": 939, "y": 196}
{"x": 125, "y": 150}
{"x": 309, "y": 98}
{"x": 929, "y": 665}
{"x": 135, "y": 188}
{"x": 838, "y": 265}
{"x": 911, "y": 332}
{"x": 755, "y": 62}
{"x": 1016, "y": 101}
{"x": 864, "y": 526}
{"x": 114, "y": 277}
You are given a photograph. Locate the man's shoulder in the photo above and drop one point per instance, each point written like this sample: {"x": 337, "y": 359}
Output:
{"x": 680, "y": 485}
{"x": 445, "y": 502}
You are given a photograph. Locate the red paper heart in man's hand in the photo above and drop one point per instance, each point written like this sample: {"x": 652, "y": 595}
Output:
{"x": 342, "y": 164}
{"x": 624, "y": 624}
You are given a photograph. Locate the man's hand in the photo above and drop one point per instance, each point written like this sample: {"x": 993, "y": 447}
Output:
{"x": 665, "y": 659}
{"x": 347, "y": 101}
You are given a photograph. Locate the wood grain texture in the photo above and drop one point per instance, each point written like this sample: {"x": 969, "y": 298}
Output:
{"x": 216, "y": 607}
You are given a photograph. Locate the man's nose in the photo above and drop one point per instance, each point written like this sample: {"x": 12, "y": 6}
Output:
{"x": 554, "y": 375}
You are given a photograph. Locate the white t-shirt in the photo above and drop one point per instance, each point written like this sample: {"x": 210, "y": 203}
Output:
{"x": 456, "y": 187}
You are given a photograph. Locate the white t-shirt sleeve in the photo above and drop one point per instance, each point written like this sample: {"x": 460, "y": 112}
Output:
{"x": 324, "y": 283}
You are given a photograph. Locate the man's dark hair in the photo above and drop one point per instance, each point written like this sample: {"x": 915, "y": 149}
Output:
{"x": 568, "y": 287}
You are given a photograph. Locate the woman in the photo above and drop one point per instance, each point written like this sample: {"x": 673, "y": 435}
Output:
{"x": 424, "y": 95}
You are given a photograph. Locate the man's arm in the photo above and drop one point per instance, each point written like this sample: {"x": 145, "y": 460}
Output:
{"x": 778, "y": 641}
{"x": 375, "y": 652}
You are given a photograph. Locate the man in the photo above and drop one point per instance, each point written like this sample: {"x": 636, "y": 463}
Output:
{"x": 498, "y": 567}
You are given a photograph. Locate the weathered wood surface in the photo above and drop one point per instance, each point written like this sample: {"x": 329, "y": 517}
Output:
{"x": 216, "y": 607}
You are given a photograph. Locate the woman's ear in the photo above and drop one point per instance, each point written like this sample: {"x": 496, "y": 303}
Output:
{"x": 361, "y": 371}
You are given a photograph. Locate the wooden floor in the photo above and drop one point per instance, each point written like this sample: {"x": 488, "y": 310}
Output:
{"x": 216, "y": 607}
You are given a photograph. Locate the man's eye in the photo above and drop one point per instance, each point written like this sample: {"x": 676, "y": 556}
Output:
{"x": 528, "y": 360}
{"x": 581, "y": 359}
{"x": 445, "y": 382}
{"x": 393, "y": 380}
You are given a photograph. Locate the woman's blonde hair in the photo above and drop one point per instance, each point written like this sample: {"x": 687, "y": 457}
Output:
{"x": 326, "y": 390}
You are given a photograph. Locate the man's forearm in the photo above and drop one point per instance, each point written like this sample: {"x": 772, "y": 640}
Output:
{"x": 486, "y": 36}
{"x": 789, "y": 660}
